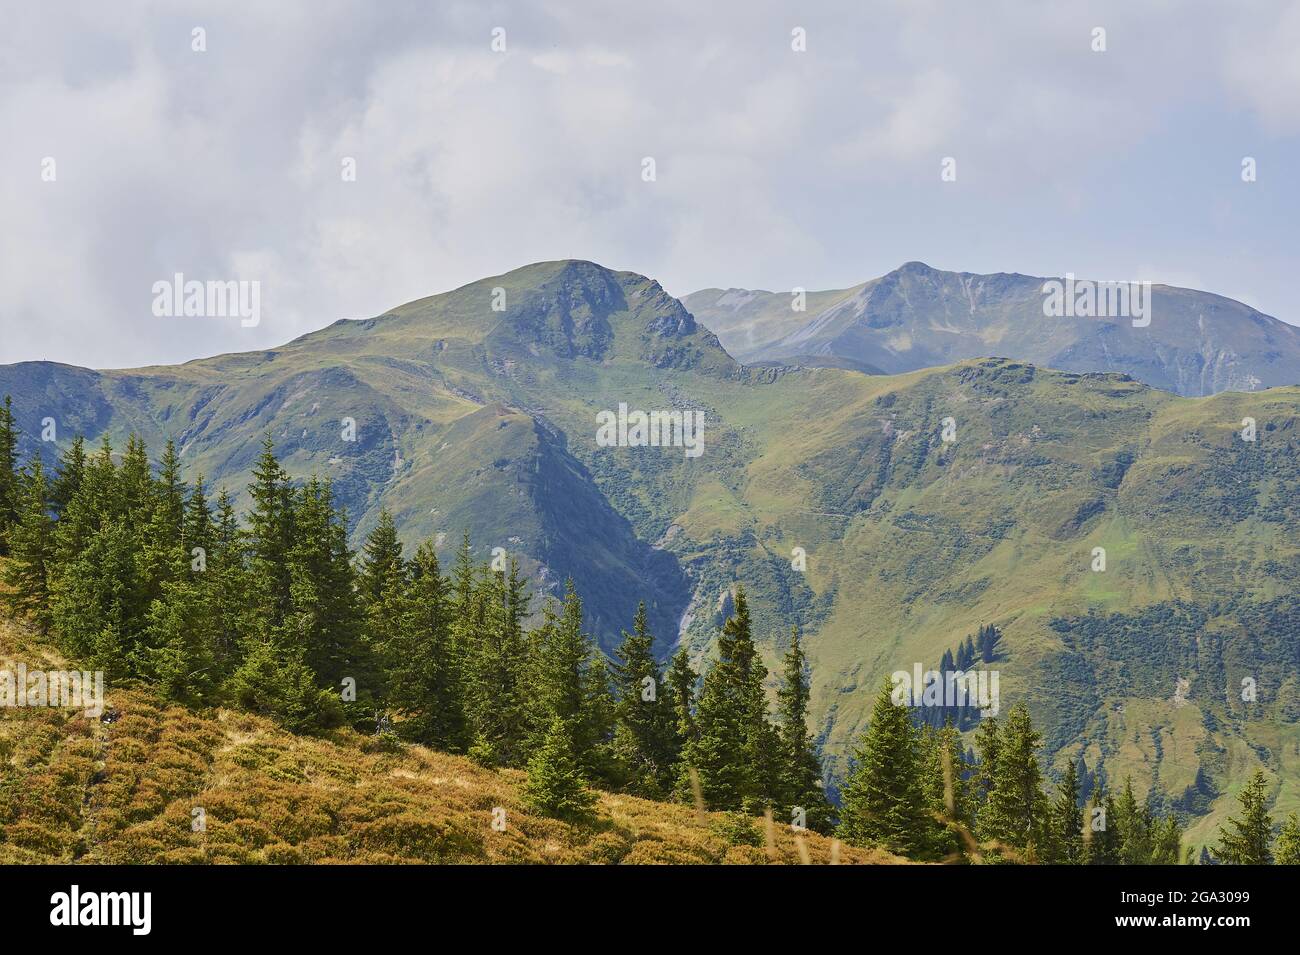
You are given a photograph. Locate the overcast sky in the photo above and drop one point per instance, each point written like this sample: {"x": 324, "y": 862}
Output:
{"x": 774, "y": 168}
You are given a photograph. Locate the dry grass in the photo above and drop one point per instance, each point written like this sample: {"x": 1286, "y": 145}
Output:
{"x": 75, "y": 789}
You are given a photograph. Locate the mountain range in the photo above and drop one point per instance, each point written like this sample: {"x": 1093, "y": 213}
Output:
{"x": 869, "y": 473}
{"x": 916, "y": 317}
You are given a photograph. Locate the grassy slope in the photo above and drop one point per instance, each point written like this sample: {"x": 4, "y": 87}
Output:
{"x": 74, "y": 789}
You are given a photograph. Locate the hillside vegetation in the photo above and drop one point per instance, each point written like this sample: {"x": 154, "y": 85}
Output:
{"x": 124, "y": 788}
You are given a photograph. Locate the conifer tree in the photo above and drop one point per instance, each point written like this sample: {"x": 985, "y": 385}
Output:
{"x": 1248, "y": 840}
{"x": 1288, "y": 842}
{"x": 425, "y": 671}
{"x": 1134, "y": 824}
{"x": 735, "y": 747}
{"x": 270, "y": 536}
{"x": 382, "y": 567}
{"x": 800, "y": 770}
{"x": 945, "y": 790}
{"x": 645, "y": 724}
{"x": 988, "y": 742}
{"x": 9, "y": 486}
{"x": 180, "y": 633}
{"x": 1067, "y": 820}
{"x": 71, "y": 471}
{"x": 324, "y": 621}
{"x": 882, "y": 803}
{"x": 1015, "y": 814}
{"x": 1101, "y": 835}
{"x": 556, "y": 785}
{"x": 31, "y": 548}
{"x": 681, "y": 681}
{"x": 500, "y": 702}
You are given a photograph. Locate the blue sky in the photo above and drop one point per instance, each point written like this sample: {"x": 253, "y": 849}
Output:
{"x": 774, "y": 168}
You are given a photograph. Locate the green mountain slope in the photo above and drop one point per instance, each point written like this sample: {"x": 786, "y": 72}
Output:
{"x": 918, "y": 317}
{"x": 472, "y": 419}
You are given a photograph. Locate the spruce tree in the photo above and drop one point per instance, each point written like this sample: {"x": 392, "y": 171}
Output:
{"x": 556, "y": 785}
{"x": 425, "y": 671}
{"x": 31, "y": 549}
{"x": 270, "y": 536}
{"x": 71, "y": 471}
{"x": 382, "y": 567}
{"x": 1067, "y": 819}
{"x": 1288, "y": 842}
{"x": 1135, "y": 825}
{"x": 799, "y": 769}
{"x": 645, "y": 724}
{"x": 9, "y": 485}
{"x": 1015, "y": 815}
{"x": 1248, "y": 840}
{"x": 882, "y": 803}
{"x": 734, "y": 751}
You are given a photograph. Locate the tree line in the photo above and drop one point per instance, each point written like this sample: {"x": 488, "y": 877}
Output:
{"x": 127, "y": 567}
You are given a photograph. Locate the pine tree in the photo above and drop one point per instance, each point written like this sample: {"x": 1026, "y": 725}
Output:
{"x": 734, "y": 751}
{"x": 323, "y": 619}
{"x": 645, "y": 724}
{"x": 9, "y": 484}
{"x": 71, "y": 472}
{"x": 799, "y": 769}
{"x": 1288, "y": 842}
{"x": 1067, "y": 820}
{"x": 556, "y": 785}
{"x": 425, "y": 671}
{"x": 681, "y": 681}
{"x": 1135, "y": 824}
{"x": 197, "y": 525}
{"x": 31, "y": 548}
{"x": 1015, "y": 815}
{"x": 230, "y": 588}
{"x": 1248, "y": 840}
{"x": 1101, "y": 843}
{"x": 882, "y": 803}
{"x": 181, "y": 630}
{"x": 500, "y": 703}
{"x": 382, "y": 567}
{"x": 988, "y": 742}
{"x": 270, "y": 536}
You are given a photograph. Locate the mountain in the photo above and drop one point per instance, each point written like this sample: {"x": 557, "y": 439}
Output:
{"x": 835, "y": 497}
{"x": 915, "y": 317}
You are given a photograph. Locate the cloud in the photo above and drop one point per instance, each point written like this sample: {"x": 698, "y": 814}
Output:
{"x": 774, "y": 168}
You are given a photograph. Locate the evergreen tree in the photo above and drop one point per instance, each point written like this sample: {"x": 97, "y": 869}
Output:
{"x": 945, "y": 790}
{"x": 1134, "y": 823}
{"x": 426, "y": 671}
{"x": 734, "y": 751}
{"x": 9, "y": 484}
{"x": 799, "y": 769}
{"x": 988, "y": 742}
{"x": 1015, "y": 814}
{"x": 270, "y": 536}
{"x": 1101, "y": 842}
{"x": 556, "y": 785}
{"x": 645, "y": 724}
{"x": 681, "y": 681}
{"x": 1288, "y": 842}
{"x": 1067, "y": 820}
{"x": 181, "y": 632}
{"x": 499, "y": 700}
{"x": 382, "y": 567}
{"x": 1248, "y": 840}
{"x": 31, "y": 548}
{"x": 71, "y": 471}
{"x": 882, "y": 803}
{"x": 323, "y": 619}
